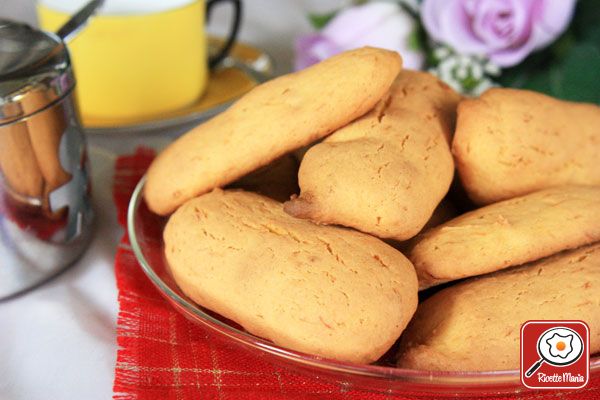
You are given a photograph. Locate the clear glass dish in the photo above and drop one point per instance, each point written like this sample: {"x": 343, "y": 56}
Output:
{"x": 145, "y": 234}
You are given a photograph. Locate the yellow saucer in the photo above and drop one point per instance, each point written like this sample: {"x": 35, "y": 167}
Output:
{"x": 246, "y": 67}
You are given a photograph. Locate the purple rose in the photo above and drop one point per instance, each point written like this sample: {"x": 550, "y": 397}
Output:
{"x": 379, "y": 24}
{"x": 506, "y": 31}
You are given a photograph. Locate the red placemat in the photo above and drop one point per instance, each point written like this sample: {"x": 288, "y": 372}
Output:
{"x": 164, "y": 356}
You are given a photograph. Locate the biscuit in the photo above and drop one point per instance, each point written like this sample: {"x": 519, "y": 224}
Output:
{"x": 277, "y": 181}
{"x": 384, "y": 173}
{"x": 429, "y": 97}
{"x": 328, "y": 291}
{"x": 475, "y": 325}
{"x": 271, "y": 120}
{"x": 18, "y": 165}
{"x": 508, "y": 233}
{"x": 512, "y": 142}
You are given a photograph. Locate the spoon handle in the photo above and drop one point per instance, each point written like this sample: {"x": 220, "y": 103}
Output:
{"x": 78, "y": 20}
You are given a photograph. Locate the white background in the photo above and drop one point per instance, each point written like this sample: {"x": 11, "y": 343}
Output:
{"x": 58, "y": 342}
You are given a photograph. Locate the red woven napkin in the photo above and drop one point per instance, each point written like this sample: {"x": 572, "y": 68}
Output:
{"x": 164, "y": 356}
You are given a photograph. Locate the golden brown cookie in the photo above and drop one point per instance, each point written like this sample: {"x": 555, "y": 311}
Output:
{"x": 428, "y": 97}
{"x": 384, "y": 173}
{"x": 322, "y": 290}
{"x": 508, "y": 233}
{"x": 475, "y": 325}
{"x": 268, "y": 122}
{"x": 512, "y": 142}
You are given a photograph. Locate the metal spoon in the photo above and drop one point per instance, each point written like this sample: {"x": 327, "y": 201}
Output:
{"x": 70, "y": 28}
{"x": 248, "y": 68}
{"x": 78, "y": 20}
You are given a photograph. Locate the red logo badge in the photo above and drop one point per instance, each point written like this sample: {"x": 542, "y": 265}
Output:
{"x": 555, "y": 354}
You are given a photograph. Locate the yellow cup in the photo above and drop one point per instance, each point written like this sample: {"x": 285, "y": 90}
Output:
{"x": 136, "y": 63}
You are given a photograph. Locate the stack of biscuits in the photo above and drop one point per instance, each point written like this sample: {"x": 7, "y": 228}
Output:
{"x": 314, "y": 210}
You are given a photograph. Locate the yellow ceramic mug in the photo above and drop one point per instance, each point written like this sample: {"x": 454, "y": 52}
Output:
{"x": 138, "y": 58}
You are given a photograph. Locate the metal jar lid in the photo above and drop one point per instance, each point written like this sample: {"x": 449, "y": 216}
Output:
{"x": 34, "y": 70}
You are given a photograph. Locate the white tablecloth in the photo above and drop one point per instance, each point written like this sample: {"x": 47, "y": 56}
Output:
{"x": 58, "y": 342}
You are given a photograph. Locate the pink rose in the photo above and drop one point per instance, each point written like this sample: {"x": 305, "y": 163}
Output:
{"x": 379, "y": 24}
{"x": 506, "y": 31}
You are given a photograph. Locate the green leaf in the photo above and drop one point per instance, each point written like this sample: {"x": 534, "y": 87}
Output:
{"x": 580, "y": 74}
{"x": 520, "y": 74}
{"x": 515, "y": 77}
{"x": 414, "y": 41}
{"x": 587, "y": 18}
{"x": 563, "y": 44}
{"x": 539, "y": 82}
{"x": 469, "y": 83}
{"x": 318, "y": 21}
{"x": 592, "y": 36}
{"x": 574, "y": 78}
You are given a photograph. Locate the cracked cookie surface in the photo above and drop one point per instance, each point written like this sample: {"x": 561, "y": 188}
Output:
{"x": 511, "y": 142}
{"x": 475, "y": 325}
{"x": 323, "y": 290}
{"x": 508, "y": 233}
{"x": 271, "y": 120}
{"x": 386, "y": 172}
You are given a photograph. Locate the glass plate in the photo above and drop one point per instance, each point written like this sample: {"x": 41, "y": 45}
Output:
{"x": 145, "y": 234}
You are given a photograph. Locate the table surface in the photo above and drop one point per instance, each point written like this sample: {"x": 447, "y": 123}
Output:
{"x": 58, "y": 342}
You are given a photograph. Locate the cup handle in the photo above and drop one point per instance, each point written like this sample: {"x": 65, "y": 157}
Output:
{"x": 235, "y": 27}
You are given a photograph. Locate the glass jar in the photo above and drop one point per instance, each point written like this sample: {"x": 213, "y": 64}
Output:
{"x": 45, "y": 210}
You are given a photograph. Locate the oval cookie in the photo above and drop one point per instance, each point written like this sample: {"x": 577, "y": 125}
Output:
{"x": 386, "y": 172}
{"x": 508, "y": 233}
{"x": 322, "y": 290}
{"x": 475, "y": 325}
{"x": 272, "y": 119}
{"x": 511, "y": 142}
